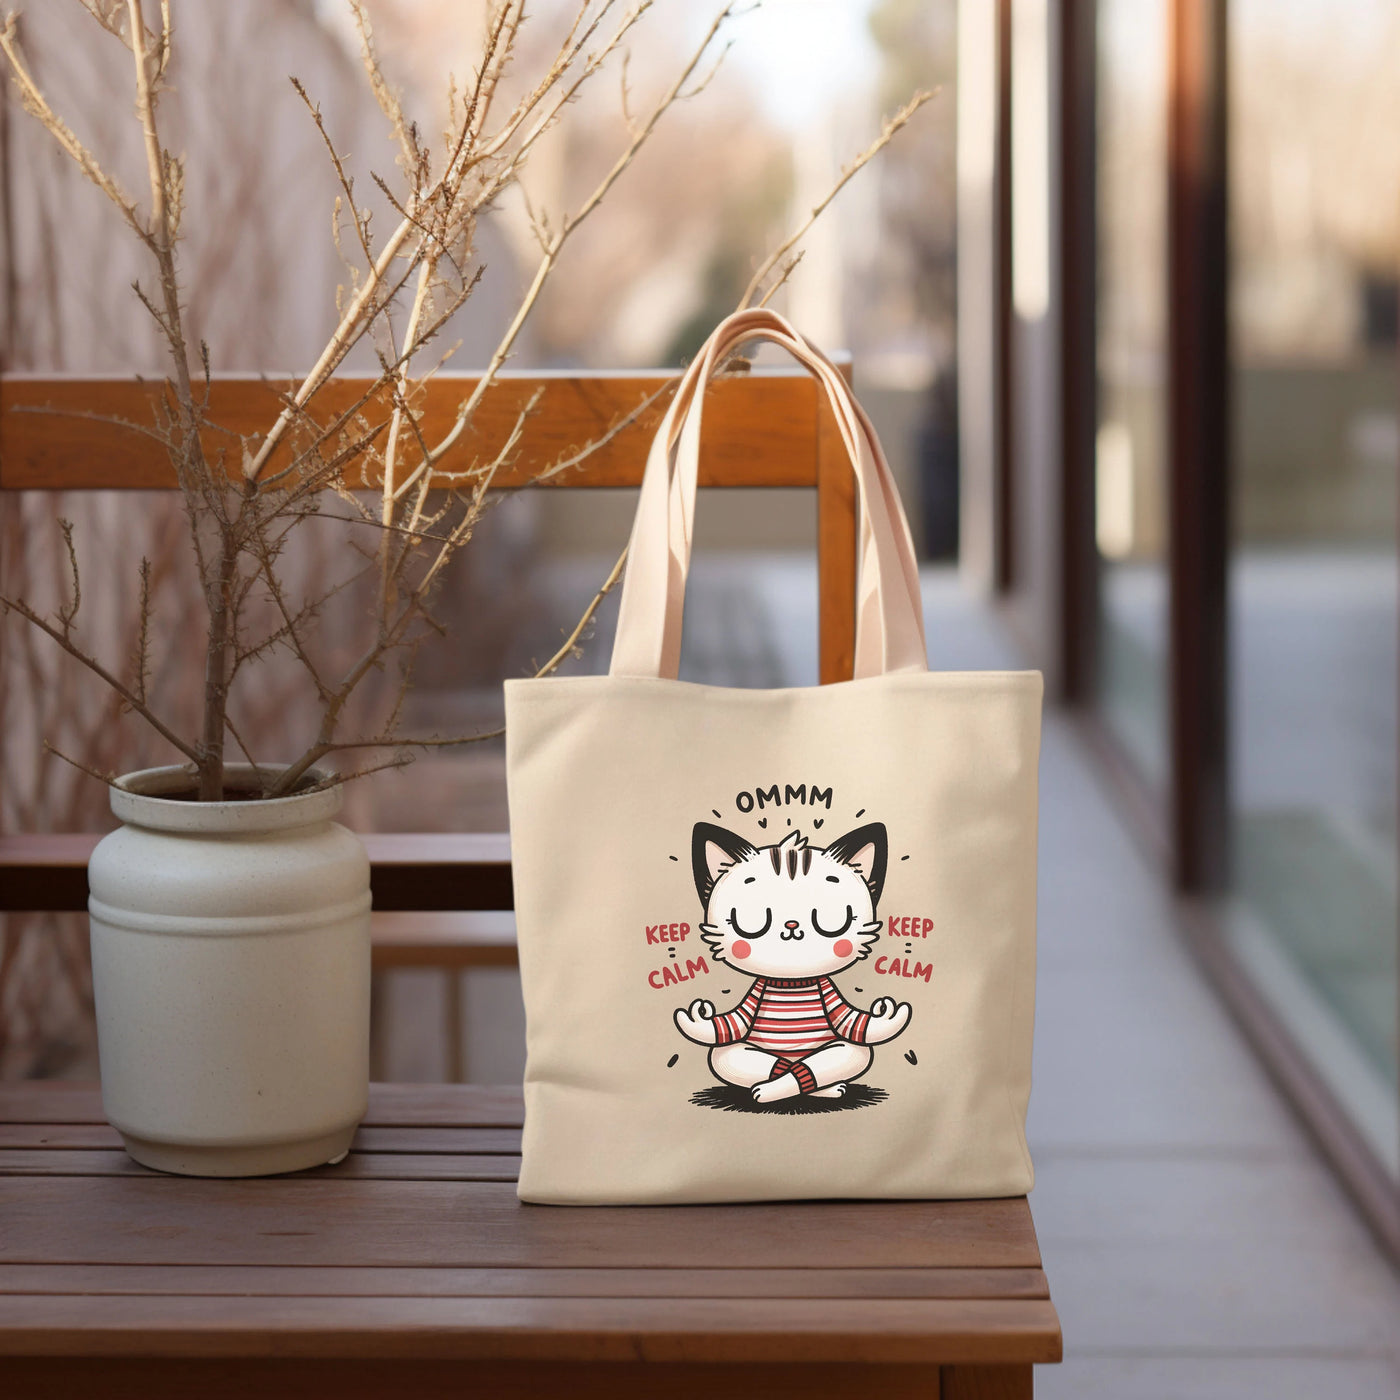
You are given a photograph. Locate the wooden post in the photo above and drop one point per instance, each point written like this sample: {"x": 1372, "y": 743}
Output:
{"x": 1079, "y": 602}
{"x": 987, "y": 1383}
{"x": 1198, "y": 439}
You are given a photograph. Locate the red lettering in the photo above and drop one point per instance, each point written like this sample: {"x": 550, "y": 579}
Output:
{"x": 879, "y": 970}
{"x": 652, "y": 976}
{"x": 921, "y": 971}
{"x": 668, "y": 976}
{"x": 695, "y": 965}
{"x": 651, "y": 933}
{"x": 685, "y": 929}
{"x": 909, "y": 926}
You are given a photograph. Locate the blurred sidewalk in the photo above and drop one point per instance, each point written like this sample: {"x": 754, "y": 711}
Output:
{"x": 1196, "y": 1246}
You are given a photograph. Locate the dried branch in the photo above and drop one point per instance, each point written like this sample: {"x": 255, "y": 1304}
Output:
{"x": 384, "y": 94}
{"x": 141, "y": 661}
{"x": 33, "y": 101}
{"x": 887, "y": 133}
{"x": 111, "y": 420}
{"x": 108, "y": 778}
{"x": 68, "y": 611}
{"x": 18, "y": 605}
{"x": 403, "y": 291}
{"x": 402, "y": 760}
{"x": 620, "y": 425}
{"x": 243, "y": 749}
{"x": 571, "y": 643}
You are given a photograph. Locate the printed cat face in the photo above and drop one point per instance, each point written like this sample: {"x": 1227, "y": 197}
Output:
{"x": 789, "y": 910}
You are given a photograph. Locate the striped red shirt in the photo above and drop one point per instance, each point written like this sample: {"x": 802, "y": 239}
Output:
{"x": 792, "y": 1015}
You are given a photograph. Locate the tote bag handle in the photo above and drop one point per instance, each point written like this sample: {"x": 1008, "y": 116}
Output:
{"x": 889, "y": 611}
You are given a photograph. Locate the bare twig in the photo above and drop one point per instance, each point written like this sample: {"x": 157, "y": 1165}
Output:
{"x": 887, "y": 133}
{"x": 19, "y": 606}
{"x": 567, "y": 650}
{"x": 108, "y": 778}
{"x": 68, "y": 611}
{"x": 141, "y": 661}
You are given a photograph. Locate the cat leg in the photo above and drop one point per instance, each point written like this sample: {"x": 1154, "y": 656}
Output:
{"x": 786, "y": 1080}
{"x": 780, "y": 1086}
{"x": 832, "y": 1066}
{"x": 741, "y": 1064}
{"x": 822, "y": 1074}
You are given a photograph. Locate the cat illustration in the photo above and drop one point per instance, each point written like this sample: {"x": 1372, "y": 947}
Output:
{"x": 791, "y": 916}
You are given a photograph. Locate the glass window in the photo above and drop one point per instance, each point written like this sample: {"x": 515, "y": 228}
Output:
{"x": 1314, "y": 138}
{"x": 1130, "y": 498}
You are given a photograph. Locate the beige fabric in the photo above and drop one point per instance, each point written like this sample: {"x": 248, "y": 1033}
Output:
{"x": 885, "y": 1050}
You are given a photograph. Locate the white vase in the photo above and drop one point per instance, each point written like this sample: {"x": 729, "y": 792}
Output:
{"x": 230, "y": 965}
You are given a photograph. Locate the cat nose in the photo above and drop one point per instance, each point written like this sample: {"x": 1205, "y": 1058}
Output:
{"x": 792, "y": 923}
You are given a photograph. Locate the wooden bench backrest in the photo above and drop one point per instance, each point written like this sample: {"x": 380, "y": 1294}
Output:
{"x": 761, "y": 430}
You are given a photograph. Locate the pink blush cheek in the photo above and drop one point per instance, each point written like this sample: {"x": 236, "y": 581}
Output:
{"x": 741, "y": 949}
{"x": 843, "y": 948}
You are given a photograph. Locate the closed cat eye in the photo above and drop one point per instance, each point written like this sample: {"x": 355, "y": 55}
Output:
{"x": 751, "y": 933}
{"x": 834, "y": 932}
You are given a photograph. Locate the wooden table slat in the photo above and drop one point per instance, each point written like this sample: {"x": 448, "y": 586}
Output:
{"x": 883, "y": 1330}
{"x": 675, "y": 1282}
{"x": 59, "y": 1137}
{"x": 390, "y": 1105}
{"x": 359, "y": 1166}
{"x": 302, "y": 1219}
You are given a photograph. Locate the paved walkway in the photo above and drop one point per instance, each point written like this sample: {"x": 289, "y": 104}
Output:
{"x": 1195, "y": 1244}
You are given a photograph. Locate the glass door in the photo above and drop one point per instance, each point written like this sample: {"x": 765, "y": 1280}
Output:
{"x": 1315, "y": 244}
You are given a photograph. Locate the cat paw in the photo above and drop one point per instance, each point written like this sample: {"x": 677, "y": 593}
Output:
{"x": 832, "y": 1091}
{"x": 887, "y": 1019}
{"x": 772, "y": 1090}
{"x": 696, "y": 1022}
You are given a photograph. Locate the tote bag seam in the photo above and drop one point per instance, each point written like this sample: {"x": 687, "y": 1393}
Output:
{"x": 1018, "y": 1122}
{"x": 1018, "y": 1119}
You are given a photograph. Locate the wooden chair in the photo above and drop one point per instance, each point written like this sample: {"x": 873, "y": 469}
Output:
{"x": 949, "y": 1299}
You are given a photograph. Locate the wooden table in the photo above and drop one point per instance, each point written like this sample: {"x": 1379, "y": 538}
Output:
{"x": 411, "y": 1269}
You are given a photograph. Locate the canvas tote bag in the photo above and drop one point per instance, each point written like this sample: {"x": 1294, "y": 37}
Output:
{"x": 774, "y": 944}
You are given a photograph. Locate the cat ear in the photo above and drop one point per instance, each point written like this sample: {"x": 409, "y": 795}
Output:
{"x": 866, "y": 851}
{"x": 712, "y": 849}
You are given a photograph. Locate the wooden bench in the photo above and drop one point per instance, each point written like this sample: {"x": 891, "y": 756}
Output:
{"x": 410, "y": 1269}
{"x": 761, "y": 430}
